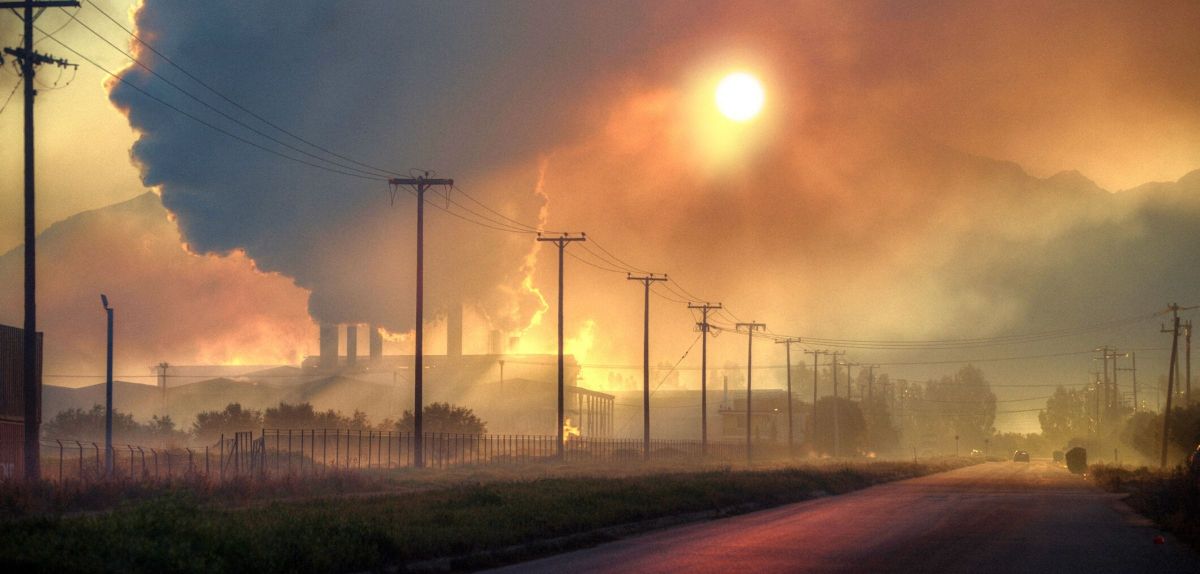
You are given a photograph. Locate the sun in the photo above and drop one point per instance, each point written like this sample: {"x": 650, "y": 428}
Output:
{"x": 740, "y": 96}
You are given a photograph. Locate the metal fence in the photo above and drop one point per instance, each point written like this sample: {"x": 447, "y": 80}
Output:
{"x": 314, "y": 452}
{"x": 66, "y": 461}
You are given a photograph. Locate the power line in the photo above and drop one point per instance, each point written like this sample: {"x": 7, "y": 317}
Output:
{"x": 373, "y": 172}
{"x": 881, "y": 344}
{"x": 10, "y": 95}
{"x": 232, "y": 102}
{"x": 208, "y": 124}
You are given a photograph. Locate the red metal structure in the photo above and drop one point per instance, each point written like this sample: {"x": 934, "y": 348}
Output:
{"x": 12, "y": 400}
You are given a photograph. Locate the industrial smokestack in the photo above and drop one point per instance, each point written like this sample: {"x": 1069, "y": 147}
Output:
{"x": 375, "y": 342}
{"x": 351, "y": 344}
{"x": 329, "y": 346}
{"x": 454, "y": 331}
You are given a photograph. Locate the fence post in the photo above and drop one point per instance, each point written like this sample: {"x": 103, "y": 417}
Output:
{"x": 60, "y": 460}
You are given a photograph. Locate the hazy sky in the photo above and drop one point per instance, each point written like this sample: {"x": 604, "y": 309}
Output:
{"x": 897, "y": 184}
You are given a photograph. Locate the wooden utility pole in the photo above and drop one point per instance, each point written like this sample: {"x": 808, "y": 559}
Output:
{"x": 561, "y": 242}
{"x": 29, "y": 61}
{"x": 1132, "y": 371}
{"x": 871, "y": 382}
{"x": 646, "y": 281}
{"x": 837, "y": 442}
{"x": 750, "y": 329}
{"x": 787, "y": 343}
{"x": 1174, "y": 308}
{"x": 1187, "y": 330}
{"x": 850, "y": 381}
{"x": 704, "y": 327}
{"x": 419, "y": 184}
{"x": 812, "y": 423}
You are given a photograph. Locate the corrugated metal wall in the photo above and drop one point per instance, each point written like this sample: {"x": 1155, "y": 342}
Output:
{"x": 12, "y": 447}
{"x": 12, "y": 399}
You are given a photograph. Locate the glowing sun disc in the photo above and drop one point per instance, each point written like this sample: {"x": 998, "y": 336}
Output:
{"x": 740, "y": 96}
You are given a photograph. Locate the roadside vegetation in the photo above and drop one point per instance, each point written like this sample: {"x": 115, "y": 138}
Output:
{"x": 1171, "y": 498}
{"x": 466, "y": 521}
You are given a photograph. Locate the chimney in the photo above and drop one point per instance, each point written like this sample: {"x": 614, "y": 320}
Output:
{"x": 454, "y": 331}
{"x": 329, "y": 347}
{"x": 375, "y": 342}
{"x": 351, "y": 344}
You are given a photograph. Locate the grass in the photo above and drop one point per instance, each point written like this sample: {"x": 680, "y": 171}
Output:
{"x": 481, "y": 522}
{"x": 1168, "y": 497}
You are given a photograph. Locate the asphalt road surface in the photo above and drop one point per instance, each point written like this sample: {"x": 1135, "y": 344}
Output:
{"x": 994, "y": 517}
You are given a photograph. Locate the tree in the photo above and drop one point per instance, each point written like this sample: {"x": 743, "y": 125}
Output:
{"x": 304, "y": 416}
{"x": 1065, "y": 416}
{"x": 961, "y": 406}
{"x": 210, "y": 425}
{"x": 851, "y": 425}
{"x": 881, "y": 435}
{"x": 88, "y": 426}
{"x": 444, "y": 418}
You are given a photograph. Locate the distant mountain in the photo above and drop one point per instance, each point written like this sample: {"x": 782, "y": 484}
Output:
{"x": 170, "y": 305}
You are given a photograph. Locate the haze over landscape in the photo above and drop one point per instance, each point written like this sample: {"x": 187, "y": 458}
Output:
{"x": 569, "y": 286}
{"x": 1040, "y": 179}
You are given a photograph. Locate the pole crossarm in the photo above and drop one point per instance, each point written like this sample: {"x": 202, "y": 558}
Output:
{"x": 40, "y": 4}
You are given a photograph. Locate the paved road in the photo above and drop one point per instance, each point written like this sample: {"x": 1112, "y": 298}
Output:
{"x": 995, "y": 517}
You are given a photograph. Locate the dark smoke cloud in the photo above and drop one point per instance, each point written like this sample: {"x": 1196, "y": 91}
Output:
{"x": 470, "y": 90}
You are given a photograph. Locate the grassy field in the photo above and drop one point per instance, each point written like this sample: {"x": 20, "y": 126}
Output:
{"x": 1168, "y": 497}
{"x": 391, "y": 521}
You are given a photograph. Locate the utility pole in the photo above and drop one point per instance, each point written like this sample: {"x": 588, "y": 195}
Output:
{"x": 1174, "y": 308}
{"x": 787, "y": 343}
{"x": 1107, "y": 406}
{"x": 29, "y": 61}
{"x": 849, "y": 381}
{"x": 162, "y": 387}
{"x": 812, "y": 423}
{"x": 704, "y": 327}
{"x": 646, "y": 281}
{"x": 837, "y": 439}
{"x": 869, "y": 411}
{"x": 871, "y": 382}
{"x": 750, "y": 329}
{"x": 1187, "y": 330}
{"x": 419, "y": 184}
{"x": 1133, "y": 371}
{"x": 108, "y": 391}
{"x": 561, "y": 242}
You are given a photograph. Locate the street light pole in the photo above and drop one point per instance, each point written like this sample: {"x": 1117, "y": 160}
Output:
{"x": 108, "y": 391}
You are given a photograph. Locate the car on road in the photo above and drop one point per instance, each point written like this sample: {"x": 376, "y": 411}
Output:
{"x": 1021, "y": 456}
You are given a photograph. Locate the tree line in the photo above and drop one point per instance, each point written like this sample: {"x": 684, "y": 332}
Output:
{"x": 88, "y": 425}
